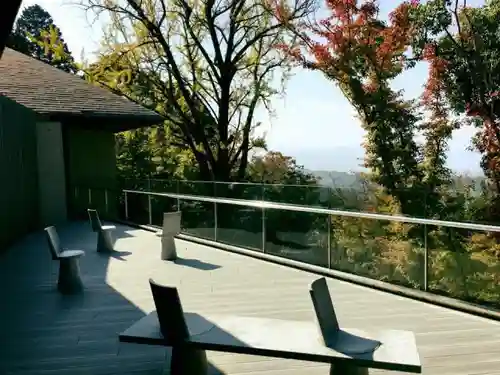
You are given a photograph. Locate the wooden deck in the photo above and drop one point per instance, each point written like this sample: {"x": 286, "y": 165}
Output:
{"x": 42, "y": 332}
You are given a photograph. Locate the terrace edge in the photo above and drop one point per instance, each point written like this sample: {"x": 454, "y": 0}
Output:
{"x": 419, "y": 295}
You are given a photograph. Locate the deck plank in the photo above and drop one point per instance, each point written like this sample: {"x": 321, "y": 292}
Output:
{"x": 44, "y": 333}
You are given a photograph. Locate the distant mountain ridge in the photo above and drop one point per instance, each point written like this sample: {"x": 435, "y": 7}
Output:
{"x": 350, "y": 158}
{"x": 353, "y": 180}
{"x": 338, "y": 179}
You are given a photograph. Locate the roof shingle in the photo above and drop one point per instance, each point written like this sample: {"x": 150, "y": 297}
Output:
{"x": 48, "y": 90}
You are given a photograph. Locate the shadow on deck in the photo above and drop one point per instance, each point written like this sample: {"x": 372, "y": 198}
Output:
{"x": 43, "y": 332}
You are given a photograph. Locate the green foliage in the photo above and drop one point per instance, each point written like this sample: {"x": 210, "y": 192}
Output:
{"x": 36, "y": 35}
{"x": 462, "y": 46}
{"x": 206, "y": 66}
{"x": 149, "y": 154}
{"x": 276, "y": 168}
{"x": 471, "y": 51}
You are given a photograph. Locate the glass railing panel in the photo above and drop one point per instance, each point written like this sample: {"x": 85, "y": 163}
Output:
{"x": 159, "y": 205}
{"x": 113, "y": 204}
{"x": 379, "y": 249}
{"x": 239, "y": 226}
{"x": 370, "y": 198}
{"x": 198, "y": 219}
{"x": 460, "y": 263}
{"x": 346, "y": 199}
{"x": 98, "y": 201}
{"x": 134, "y": 184}
{"x": 105, "y": 201}
{"x": 465, "y": 264}
{"x": 79, "y": 202}
{"x": 138, "y": 208}
{"x": 119, "y": 199}
{"x": 314, "y": 196}
{"x": 162, "y": 186}
{"x": 239, "y": 190}
{"x": 300, "y": 236}
{"x": 203, "y": 188}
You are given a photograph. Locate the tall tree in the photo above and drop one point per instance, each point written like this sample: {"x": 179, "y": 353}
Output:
{"x": 210, "y": 66}
{"x": 34, "y": 28}
{"x": 462, "y": 46}
{"x": 143, "y": 153}
{"x": 276, "y": 168}
{"x": 362, "y": 54}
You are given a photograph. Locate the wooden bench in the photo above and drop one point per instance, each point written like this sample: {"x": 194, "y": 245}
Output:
{"x": 104, "y": 232}
{"x": 69, "y": 280}
{"x": 191, "y": 334}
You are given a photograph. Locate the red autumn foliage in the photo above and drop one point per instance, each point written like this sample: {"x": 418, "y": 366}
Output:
{"x": 434, "y": 86}
{"x": 352, "y": 34}
{"x": 361, "y": 53}
{"x": 480, "y": 102}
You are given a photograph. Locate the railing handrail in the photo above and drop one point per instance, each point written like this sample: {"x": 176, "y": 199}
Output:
{"x": 256, "y": 183}
{"x": 319, "y": 210}
{"x": 245, "y": 183}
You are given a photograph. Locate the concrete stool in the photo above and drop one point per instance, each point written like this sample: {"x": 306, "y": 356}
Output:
{"x": 104, "y": 232}
{"x": 171, "y": 227}
{"x": 70, "y": 280}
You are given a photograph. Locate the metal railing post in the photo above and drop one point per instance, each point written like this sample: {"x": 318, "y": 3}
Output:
{"x": 89, "y": 196}
{"x": 216, "y": 224}
{"x": 426, "y": 260}
{"x": 150, "y": 211}
{"x": 178, "y": 192}
{"x": 263, "y": 230}
{"x": 126, "y": 205}
{"x": 329, "y": 240}
{"x": 216, "y": 213}
{"x": 106, "y": 204}
{"x": 263, "y": 217}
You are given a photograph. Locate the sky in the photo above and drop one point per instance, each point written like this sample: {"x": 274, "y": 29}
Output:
{"x": 313, "y": 123}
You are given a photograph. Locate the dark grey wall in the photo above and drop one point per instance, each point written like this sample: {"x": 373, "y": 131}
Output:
{"x": 18, "y": 172}
{"x": 90, "y": 163}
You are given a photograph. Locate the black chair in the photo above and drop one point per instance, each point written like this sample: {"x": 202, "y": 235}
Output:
{"x": 173, "y": 327}
{"x": 69, "y": 268}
